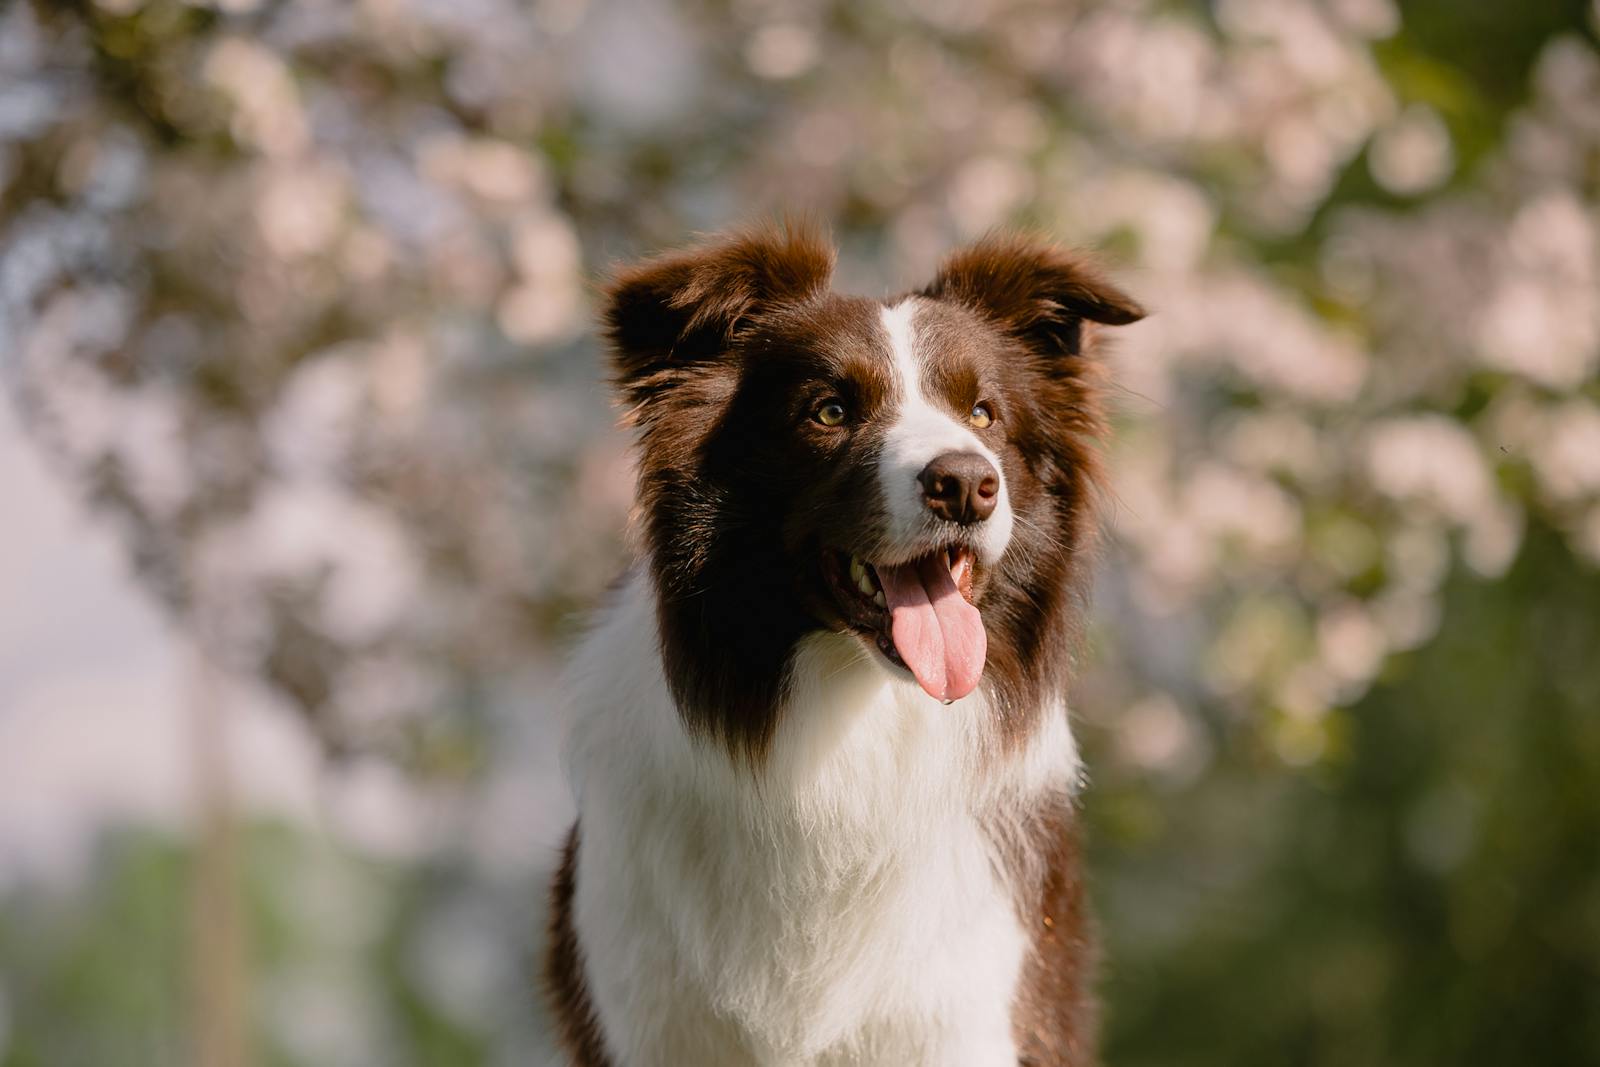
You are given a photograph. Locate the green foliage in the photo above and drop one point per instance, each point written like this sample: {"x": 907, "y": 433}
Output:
{"x": 93, "y": 975}
{"x": 1430, "y": 897}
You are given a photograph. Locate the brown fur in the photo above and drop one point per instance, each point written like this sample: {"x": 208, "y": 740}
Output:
{"x": 576, "y": 1026}
{"x": 671, "y": 318}
{"x": 1054, "y": 1017}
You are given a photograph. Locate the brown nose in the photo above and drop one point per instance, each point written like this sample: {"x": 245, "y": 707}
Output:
{"x": 960, "y": 487}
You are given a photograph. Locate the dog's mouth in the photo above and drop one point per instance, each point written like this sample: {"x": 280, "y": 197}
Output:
{"x": 919, "y": 615}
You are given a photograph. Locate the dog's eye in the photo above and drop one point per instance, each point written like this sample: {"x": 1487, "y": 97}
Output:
{"x": 981, "y": 416}
{"x": 830, "y": 414}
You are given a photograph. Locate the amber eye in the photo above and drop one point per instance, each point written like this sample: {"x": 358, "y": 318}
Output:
{"x": 830, "y": 414}
{"x": 981, "y": 416}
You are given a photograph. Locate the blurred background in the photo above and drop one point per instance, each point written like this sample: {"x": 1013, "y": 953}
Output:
{"x": 309, "y": 477}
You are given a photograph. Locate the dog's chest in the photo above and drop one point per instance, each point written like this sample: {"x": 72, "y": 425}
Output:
{"x": 845, "y": 905}
{"x": 784, "y": 947}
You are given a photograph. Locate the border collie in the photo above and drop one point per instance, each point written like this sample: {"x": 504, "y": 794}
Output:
{"x": 820, "y": 749}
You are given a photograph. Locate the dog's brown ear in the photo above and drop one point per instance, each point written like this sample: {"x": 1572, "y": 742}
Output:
{"x": 669, "y": 315}
{"x": 1035, "y": 291}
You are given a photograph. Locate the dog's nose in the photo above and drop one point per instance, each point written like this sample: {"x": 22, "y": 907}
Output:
{"x": 961, "y": 487}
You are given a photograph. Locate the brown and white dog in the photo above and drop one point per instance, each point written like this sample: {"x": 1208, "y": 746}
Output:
{"x": 820, "y": 749}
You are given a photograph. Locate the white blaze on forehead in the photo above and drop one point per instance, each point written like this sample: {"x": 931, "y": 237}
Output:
{"x": 921, "y": 430}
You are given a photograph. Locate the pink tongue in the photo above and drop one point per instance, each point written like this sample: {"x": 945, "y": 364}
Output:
{"x": 935, "y": 630}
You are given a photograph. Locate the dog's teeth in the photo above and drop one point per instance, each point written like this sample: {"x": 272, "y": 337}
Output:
{"x": 877, "y": 598}
{"x": 859, "y": 575}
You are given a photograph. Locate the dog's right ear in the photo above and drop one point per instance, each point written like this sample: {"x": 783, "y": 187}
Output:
{"x": 1038, "y": 293}
{"x": 669, "y": 317}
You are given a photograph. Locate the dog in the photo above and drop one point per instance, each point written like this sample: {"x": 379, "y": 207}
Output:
{"x": 820, "y": 748}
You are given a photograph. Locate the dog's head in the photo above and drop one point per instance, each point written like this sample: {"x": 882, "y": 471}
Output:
{"x": 916, "y": 472}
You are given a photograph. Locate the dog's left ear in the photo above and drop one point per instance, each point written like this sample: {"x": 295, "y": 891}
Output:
{"x": 1036, "y": 292}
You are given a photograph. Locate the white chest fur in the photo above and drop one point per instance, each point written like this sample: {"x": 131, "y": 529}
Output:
{"x": 842, "y": 904}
